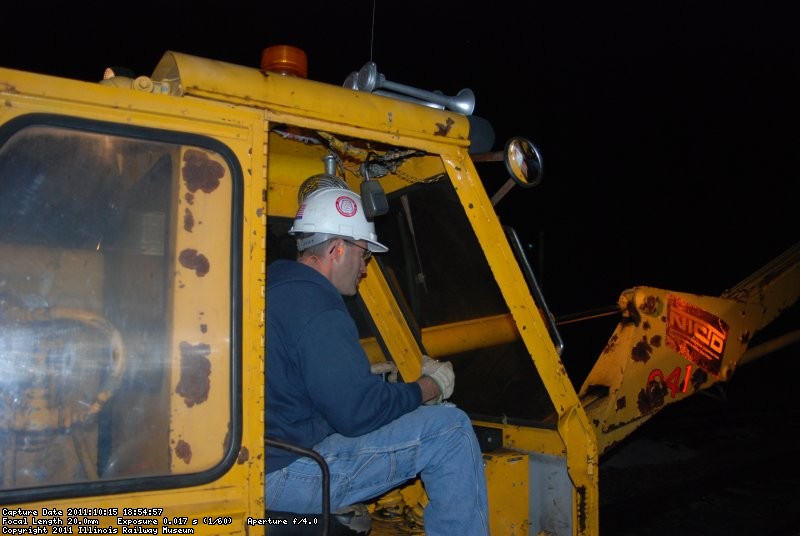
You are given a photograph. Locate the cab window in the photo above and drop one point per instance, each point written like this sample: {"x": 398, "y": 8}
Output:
{"x": 115, "y": 306}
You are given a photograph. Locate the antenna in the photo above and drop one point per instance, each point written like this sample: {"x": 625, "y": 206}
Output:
{"x": 372, "y": 31}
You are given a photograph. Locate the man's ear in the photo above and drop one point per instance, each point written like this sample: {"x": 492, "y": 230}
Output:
{"x": 338, "y": 248}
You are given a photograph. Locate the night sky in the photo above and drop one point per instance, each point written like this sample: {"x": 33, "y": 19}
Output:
{"x": 669, "y": 130}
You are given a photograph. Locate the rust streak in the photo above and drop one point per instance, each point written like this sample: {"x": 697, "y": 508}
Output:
{"x": 200, "y": 172}
{"x": 444, "y": 129}
{"x": 195, "y": 382}
{"x": 652, "y": 397}
{"x": 642, "y": 350}
{"x": 699, "y": 377}
{"x": 191, "y": 259}
{"x": 188, "y": 220}
{"x": 611, "y": 344}
{"x": 650, "y": 306}
{"x": 184, "y": 451}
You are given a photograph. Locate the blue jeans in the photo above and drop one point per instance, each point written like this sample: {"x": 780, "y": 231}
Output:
{"x": 435, "y": 442}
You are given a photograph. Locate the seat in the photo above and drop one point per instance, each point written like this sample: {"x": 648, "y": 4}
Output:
{"x": 350, "y": 522}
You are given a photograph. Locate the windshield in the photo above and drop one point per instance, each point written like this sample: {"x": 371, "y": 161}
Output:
{"x": 441, "y": 274}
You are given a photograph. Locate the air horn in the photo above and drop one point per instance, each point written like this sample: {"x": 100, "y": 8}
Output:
{"x": 370, "y": 80}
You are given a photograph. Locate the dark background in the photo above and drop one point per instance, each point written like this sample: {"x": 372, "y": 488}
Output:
{"x": 669, "y": 130}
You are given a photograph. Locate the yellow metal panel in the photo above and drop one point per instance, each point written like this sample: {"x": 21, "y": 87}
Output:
{"x": 543, "y": 440}
{"x": 447, "y": 339}
{"x": 254, "y": 281}
{"x": 325, "y": 103}
{"x": 470, "y": 334}
{"x": 388, "y": 318}
{"x": 673, "y": 345}
{"x": 507, "y": 484}
{"x": 290, "y": 163}
{"x": 29, "y": 93}
{"x": 573, "y": 424}
{"x": 201, "y": 323}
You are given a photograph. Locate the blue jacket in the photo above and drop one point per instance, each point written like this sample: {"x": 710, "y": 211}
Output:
{"x": 318, "y": 379}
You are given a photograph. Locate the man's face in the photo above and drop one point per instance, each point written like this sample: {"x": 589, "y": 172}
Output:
{"x": 349, "y": 267}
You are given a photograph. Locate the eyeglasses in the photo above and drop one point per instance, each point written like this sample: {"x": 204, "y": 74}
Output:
{"x": 366, "y": 254}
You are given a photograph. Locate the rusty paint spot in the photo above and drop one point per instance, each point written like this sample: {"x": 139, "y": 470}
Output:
{"x": 188, "y": 221}
{"x": 191, "y": 259}
{"x": 612, "y": 342}
{"x": 652, "y": 397}
{"x": 204, "y": 328}
{"x": 200, "y": 172}
{"x": 699, "y": 377}
{"x": 443, "y": 130}
{"x": 194, "y": 384}
{"x": 227, "y": 440}
{"x": 184, "y": 451}
{"x": 189, "y": 197}
{"x": 655, "y": 340}
{"x": 745, "y": 336}
{"x": 583, "y": 508}
{"x": 244, "y": 455}
{"x": 727, "y": 372}
{"x": 622, "y": 403}
{"x": 650, "y": 305}
{"x": 641, "y": 352}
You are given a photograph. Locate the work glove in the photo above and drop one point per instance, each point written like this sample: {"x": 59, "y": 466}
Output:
{"x": 442, "y": 373}
{"x": 386, "y": 369}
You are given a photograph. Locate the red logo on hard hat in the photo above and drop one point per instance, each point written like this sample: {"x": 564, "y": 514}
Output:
{"x": 346, "y": 206}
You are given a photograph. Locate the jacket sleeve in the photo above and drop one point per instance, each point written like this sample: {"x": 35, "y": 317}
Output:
{"x": 337, "y": 375}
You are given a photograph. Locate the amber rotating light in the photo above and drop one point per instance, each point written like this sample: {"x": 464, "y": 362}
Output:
{"x": 286, "y": 60}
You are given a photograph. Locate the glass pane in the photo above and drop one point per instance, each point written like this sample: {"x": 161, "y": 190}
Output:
{"x": 444, "y": 278}
{"x": 104, "y": 359}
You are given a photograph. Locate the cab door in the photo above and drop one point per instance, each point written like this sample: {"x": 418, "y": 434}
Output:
{"x": 131, "y": 276}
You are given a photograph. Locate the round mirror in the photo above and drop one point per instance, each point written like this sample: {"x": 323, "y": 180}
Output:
{"x": 523, "y": 162}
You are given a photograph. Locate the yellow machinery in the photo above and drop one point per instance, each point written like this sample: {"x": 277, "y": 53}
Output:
{"x": 137, "y": 218}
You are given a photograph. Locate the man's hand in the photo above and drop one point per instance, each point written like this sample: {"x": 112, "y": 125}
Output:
{"x": 386, "y": 369}
{"x": 441, "y": 372}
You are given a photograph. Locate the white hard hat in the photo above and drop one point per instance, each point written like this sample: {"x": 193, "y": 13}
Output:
{"x": 332, "y": 212}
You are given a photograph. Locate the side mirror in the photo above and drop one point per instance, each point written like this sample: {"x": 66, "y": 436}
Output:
{"x": 523, "y": 163}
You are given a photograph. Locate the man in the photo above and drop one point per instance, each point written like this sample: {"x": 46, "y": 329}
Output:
{"x": 375, "y": 435}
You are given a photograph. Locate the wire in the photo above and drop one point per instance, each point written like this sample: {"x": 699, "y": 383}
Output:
{"x": 372, "y": 31}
